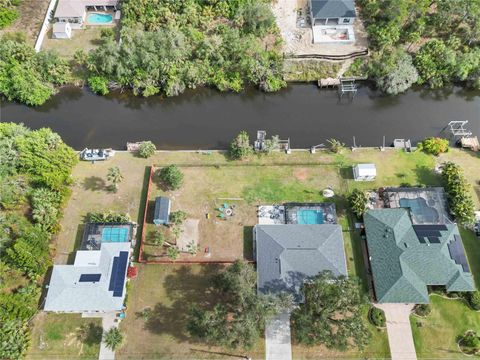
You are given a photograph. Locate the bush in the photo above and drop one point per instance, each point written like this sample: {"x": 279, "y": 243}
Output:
{"x": 377, "y": 317}
{"x": 108, "y": 217}
{"x": 178, "y": 217}
{"x": 434, "y": 145}
{"x": 171, "y": 177}
{"x": 99, "y": 85}
{"x": 335, "y": 146}
{"x": 107, "y": 34}
{"x": 474, "y": 300}
{"x": 240, "y": 147}
{"x": 113, "y": 338}
{"x": 358, "y": 201}
{"x": 422, "y": 310}
{"x": 146, "y": 149}
{"x": 470, "y": 342}
{"x": 458, "y": 193}
{"x": 7, "y": 16}
{"x": 400, "y": 77}
{"x": 173, "y": 252}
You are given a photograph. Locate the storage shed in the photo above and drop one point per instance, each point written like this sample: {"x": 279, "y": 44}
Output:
{"x": 162, "y": 211}
{"x": 62, "y": 30}
{"x": 364, "y": 172}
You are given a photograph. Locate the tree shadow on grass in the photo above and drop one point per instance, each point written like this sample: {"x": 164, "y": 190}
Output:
{"x": 183, "y": 288}
{"x": 248, "y": 242}
{"x": 427, "y": 176}
{"x": 346, "y": 172}
{"x": 94, "y": 183}
{"x": 78, "y": 242}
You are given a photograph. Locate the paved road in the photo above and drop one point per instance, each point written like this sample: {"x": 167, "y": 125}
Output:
{"x": 277, "y": 338}
{"x": 399, "y": 331}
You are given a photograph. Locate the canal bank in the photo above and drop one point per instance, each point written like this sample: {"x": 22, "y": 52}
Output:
{"x": 208, "y": 119}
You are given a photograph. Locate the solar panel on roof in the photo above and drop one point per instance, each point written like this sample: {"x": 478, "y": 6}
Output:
{"x": 457, "y": 253}
{"x": 119, "y": 270}
{"x": 90, "y": 277}
{"x": 433, "y": 240}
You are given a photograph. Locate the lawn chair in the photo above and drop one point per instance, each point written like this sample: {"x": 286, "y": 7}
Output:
{"x": 225, "y": 205}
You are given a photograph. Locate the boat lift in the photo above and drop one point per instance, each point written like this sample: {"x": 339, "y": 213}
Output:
{"x": 347, "y": 86}
{"x": 259, "y": 144}
{"x": 457, "y": 128}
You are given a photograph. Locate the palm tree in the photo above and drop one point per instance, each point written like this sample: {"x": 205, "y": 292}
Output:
{"x": 115, "y": 177}
{"x": 113, "y": 338}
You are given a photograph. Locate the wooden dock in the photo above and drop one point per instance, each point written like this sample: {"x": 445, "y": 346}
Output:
{"x": 470, "y": 142}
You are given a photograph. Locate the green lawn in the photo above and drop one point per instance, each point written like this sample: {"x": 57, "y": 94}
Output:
{"x": 57, "y": 336}
{"x": 435, "y": 336}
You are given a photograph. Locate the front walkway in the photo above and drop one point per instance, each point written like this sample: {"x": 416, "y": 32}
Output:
{"x": 277, "y": 338}
{"x": 399, "y": 330}
{"x": 108, "y": 322}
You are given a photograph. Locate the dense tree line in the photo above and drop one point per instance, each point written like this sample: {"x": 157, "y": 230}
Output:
{"x": 35, "y": 169}
{"x": 27, "y": 76}
{"x": 429, "y": 42}
{"x": 168, "y": 46}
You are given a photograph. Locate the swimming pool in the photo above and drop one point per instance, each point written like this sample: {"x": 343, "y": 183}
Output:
{"x": 419, "y": 208}
{"x": 96, "y": 18}
{"x": 309, "y": 217}
{"x": 114, "y": 234}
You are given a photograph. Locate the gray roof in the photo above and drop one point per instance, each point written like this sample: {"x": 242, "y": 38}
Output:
{"x": 403, "y": 262}
{"x": 67, "y": 294}
{"x": 333, "y": 8}
{"x": 288, "y": 254}
{"x": 162, "y": 209}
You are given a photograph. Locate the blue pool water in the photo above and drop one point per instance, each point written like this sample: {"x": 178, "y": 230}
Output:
{"x": 309, "y": 217}
{"x": 420, "y": 210}
{"x": 96, "y": 18}
{"x": 114, "y": 234}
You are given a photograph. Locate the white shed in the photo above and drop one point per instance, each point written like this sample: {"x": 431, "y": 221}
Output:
{"x": 364, "y": 172}
{"x": 62, "y": 30}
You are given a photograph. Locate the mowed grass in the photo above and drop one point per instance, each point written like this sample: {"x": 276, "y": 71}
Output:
{"x": 56, "y": 336}
{"x": 259, "y": 180}
{"x": 170, "y": 290}
{"x": 435, "y": 337}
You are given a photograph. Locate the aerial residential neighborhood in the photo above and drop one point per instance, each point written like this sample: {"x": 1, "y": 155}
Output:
{"x": 249, "y": 179}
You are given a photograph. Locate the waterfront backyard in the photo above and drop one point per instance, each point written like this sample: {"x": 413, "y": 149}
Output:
{"x": 210, "y": 178}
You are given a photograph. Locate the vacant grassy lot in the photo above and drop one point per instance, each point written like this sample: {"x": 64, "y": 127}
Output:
{"x": 59, "y": 336}
{"x": 435, "y": 336}
{"x": 169, "y": 290}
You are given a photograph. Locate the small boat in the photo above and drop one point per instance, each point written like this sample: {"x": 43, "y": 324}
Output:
{"x": 96, "y": 154}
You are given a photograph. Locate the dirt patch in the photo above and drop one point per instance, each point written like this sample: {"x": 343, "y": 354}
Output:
{"x": 189, "y": 237}
{"x": 301, "y": 174}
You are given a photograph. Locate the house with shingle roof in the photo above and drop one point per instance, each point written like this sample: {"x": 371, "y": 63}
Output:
{"x": 405, "y": 258}
{"x": 289, "y": 254}
{"x": 332, "y": 12}
{"x": 96, "y": 282}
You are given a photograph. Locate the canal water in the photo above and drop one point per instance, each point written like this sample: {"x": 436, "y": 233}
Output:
{"x": 208, "y": 119}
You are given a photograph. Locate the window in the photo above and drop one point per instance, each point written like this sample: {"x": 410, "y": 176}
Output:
{"x": 346, "y": 20}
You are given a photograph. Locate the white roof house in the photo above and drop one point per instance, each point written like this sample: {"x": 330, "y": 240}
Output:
{"x": 364, "y": 172}
{"x": 76, "y": 8}
{"x": 94, "y": 283}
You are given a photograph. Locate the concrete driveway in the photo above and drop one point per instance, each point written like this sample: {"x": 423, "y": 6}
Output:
{"x": 277, "y": 338}
{"x": 399, "y": 331}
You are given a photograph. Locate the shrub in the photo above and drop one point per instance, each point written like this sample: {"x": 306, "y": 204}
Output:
{"x": 108, "y": 217}
{"x": 401, "y": 77}
{"x": 240, "y": 147}
{"x": 470, "y": 341}
{"x": 458, "y": 192}
{"x": 434, "y": 145}
{"x": 98, "y": 84}
{"x": 474, "y": 300}
{"x": 7, "y": 16}
{"x": 422, "y": 310}
{"x": 171, "y": 177}
{"x": 113, "y": 338}
{"x": 377, "y": 317}
{"x": 178, "y": 217}
{"x": 45, "y": 208}
{"x": 173, "y": 252}
{"x": 157, "y": 237}
{"x": 146, "y": 149}
{"x": 358, "y": 202}
{"x": 107, "y": 34}
{"x": 335, "y": 146}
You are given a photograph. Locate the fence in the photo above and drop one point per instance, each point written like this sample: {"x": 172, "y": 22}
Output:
{"x": 44, "y": 28}
{"x": 326, "y": 56}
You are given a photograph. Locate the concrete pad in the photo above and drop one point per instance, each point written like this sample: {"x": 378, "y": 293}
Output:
{"x": 108, "y": 322}
{"x": 278, "y": 344}
{"x": 400, "y": 337}
{"x": 189, "y": 234}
